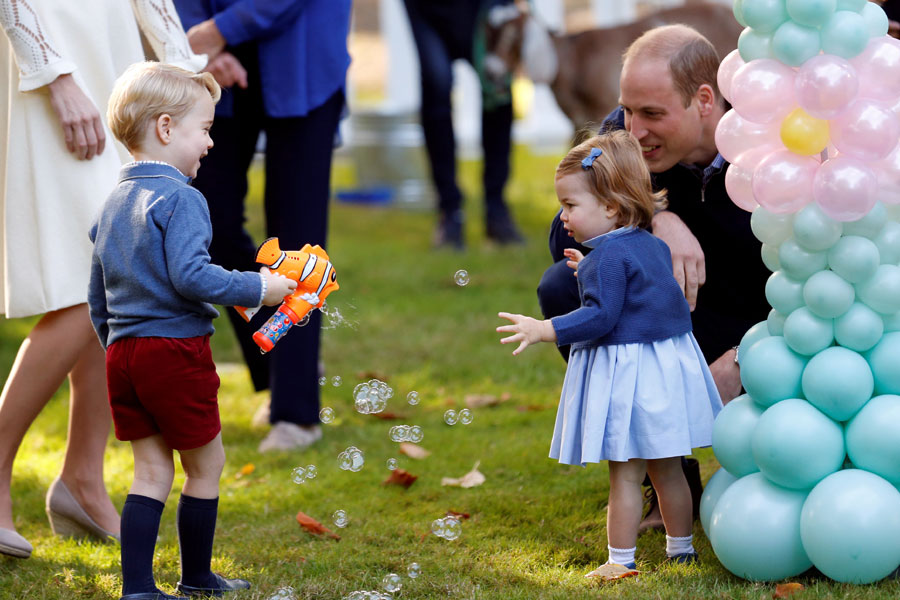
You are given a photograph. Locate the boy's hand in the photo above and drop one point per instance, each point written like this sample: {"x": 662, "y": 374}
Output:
{"x": 278, "y": 286}
{"x": 526, "y": 331}
{"x": 575, "y": 256}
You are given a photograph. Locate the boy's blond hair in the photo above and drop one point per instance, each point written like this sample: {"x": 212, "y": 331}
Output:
{"x": 149, "y": 89}
{"x": 618, "y": 176}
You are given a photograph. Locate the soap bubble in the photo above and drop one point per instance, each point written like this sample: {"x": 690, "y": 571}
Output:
{"x": 340, "y": 518}
{"x": 437, "y": 527}
{"x": 414, "y": 570}
{"x": 337, "y": 380}
{"x": 391, "y": 583}
{"x": 298, "y": 475}
{"x": 392, "y": 463}
{"x": 415, "y": 434}
{"x": 398, "y": 434}
{"x": 451, "y": 417}
{"x": 412, "y": 398}
{"x": 448, "y": 528}
{"x": 311, "y": 471}
{"x": 372, "y": 396}
{"x": 323, "y": 380}
{"x": 326, "y": 415}
{"x": 357, "y": 460}
{"x": 344, "y": 461}
{"x": 461, "y": 277}
{"x": 285, "y": 593}
{"x": 465, "y": 416}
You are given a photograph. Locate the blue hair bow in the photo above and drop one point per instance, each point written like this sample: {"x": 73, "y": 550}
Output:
{"x": 588, "y": 162}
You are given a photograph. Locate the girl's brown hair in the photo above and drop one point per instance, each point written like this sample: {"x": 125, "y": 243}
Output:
{"x": 618, "y": 176}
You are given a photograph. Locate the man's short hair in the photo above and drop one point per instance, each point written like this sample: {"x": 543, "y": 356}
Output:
{"x": 149, "y": 89}
{"x": 692, "y": 59}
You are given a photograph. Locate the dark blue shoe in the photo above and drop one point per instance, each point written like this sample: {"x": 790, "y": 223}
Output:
{"x": 221, "y": 586}
{"x": 157, "y": 595}
{"x": 686, "y": 558}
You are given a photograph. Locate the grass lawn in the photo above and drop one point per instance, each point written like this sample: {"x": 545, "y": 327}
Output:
{"x": 535, "y": 527}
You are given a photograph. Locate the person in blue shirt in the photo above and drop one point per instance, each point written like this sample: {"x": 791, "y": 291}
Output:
{"x": 637, "y": 392}
{"x": 283, "y": 65}
{"x": 151, "y": 288}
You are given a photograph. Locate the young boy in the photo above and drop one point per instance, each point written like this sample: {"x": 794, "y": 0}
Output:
{"x": 150, "y": 292}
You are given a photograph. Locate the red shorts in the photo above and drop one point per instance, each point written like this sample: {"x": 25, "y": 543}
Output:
{"x": 164, "y": 385}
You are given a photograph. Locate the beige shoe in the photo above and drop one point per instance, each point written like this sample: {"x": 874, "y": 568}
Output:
{"x": 612, "y": 572}
{"x": 261, "y": 416}
{"x": 13, "y": 544}
{"x": 290, "y": 436}
{"x": 68, "y": 518}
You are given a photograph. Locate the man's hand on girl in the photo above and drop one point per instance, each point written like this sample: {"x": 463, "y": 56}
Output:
{"x": 526, "y": 331}
{"x": 574, "y": 257}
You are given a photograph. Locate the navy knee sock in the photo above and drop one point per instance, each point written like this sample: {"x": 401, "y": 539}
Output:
{"x": 196, "y": 518}
{"x": 140, "y": 526}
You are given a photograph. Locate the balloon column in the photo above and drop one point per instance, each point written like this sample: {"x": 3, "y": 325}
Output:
{"x": 811, "y": 453}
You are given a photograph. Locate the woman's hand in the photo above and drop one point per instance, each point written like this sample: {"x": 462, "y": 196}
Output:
{"x": 575, "y": 256}
{"x": 526, "y": 331}
{"x": 228, "y": 70}
{"x": 79, "y": 118}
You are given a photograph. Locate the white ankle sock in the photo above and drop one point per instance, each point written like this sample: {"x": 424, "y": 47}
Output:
{"x": 621, "y": 556}
{"x": 679, "y": 545}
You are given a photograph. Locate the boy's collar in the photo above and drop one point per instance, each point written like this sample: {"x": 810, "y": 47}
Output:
{"x": 152, "y": 168}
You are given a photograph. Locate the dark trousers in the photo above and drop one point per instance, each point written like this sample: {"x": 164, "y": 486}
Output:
{"x": 297, "y": 178}
{"x": 444, "y": 32}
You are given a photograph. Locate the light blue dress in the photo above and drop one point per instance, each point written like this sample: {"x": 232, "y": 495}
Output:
{"x": 636, "y": 400}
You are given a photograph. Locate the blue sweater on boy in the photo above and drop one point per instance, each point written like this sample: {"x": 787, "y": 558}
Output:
{"x": 628, "y": 294}
{"x": 151, "y": 274}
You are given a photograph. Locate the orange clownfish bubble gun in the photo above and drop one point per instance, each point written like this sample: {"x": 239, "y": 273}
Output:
{"x": 315, "y": 277}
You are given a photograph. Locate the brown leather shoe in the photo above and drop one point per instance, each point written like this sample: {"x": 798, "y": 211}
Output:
{"x": 652, "y": 518}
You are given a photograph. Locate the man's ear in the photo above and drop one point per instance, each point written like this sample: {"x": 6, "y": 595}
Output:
{"x": 706, "y": 99}
{"x": 164, "y": 128}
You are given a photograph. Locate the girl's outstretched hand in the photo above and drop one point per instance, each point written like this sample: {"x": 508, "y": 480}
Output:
{"x": 575, "y": 256}
{"x": 526, "y": 331}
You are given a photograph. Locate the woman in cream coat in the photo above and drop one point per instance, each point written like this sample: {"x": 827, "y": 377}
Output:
{"x": 58, "y": 69}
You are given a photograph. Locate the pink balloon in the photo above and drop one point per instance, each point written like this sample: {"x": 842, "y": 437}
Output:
{"x": 878, "y": 68}
{"x": 738, "y": 185}
{"x": 887, "y": 173}
{"x": 763, "y": 90}
{"x": 735, "y": 136}
{"x": 844, "y": 188}
{"x": 826, "y": 85}
{"x": 867, "y": 130}
{"x": 783, "y": 181}
{"x": 727, "y": 68}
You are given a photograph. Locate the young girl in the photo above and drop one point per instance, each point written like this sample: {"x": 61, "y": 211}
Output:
{"x": 637, "y": 391}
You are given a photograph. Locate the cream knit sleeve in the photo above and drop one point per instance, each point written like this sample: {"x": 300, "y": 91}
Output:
{"x": 38, "y": 60}
{"x": 162, "y": 28}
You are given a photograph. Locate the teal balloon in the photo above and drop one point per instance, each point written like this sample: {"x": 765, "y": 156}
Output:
{"x": 891, "y": 322}
{"x": 881, "y": 292}
{"x": 769, "y": 254}
{"x": 796, "y": 446}
{"x": 812, "y": 13}
{"x": 753, "y": 335}
{"x": 806, "y": 333}
{"x": 738, "y": 10}
{"x": 870, "y": 225}
{"x": 854, "y": 258}
{"x": 854, "y": 5}
{"x": 770, "y": 228}
{"x": 775, "y": 322}
{"x": 845, "y": 34}
{"x": 873, "y": 438}
{"x": 858, "y": 329}
{"x": 827, "y": 294}
{"x": 838, "y": 382}
{"x": 884, "y": 360}
{"x": 849, "y": 526}
{"x": 755, "y": 530}
{"x": 888, "y": 243}
{"x": 876, "y": 20}
{"x": 765, "y": 16}
{"x": 795, "y": 44}
{"x": 771, "y": 371}
{"x": 783, "y": 293}
{"x": 731, "y": 434}
{"x": 753, "y": 45}
{"x": 814, "y": 230}
{"x": 713, "y": 490}
{"x": 797, "y": 262}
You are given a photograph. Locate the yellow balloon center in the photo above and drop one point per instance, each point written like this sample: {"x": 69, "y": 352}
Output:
{"x": 804, "y": 134}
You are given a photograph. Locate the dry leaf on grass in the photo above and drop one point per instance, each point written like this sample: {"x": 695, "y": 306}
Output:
{"x": 531, "y": 408}
{"x": 457, "y": 515}
{"x": 313, "y": 526}
{"x": 367, "y": 375}
{"x": 386, "y": 415}
{"x": 400, "y": 477}
{"x": 245, "y": 470}
{"x": 413, "y": 450}
{"x": 783, "y": 590}
{"x": 470, "y": 479}
{"x": 481, "y": 400}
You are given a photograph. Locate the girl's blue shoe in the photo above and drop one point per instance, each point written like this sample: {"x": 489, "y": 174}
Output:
{"x": 686, "y": 558}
